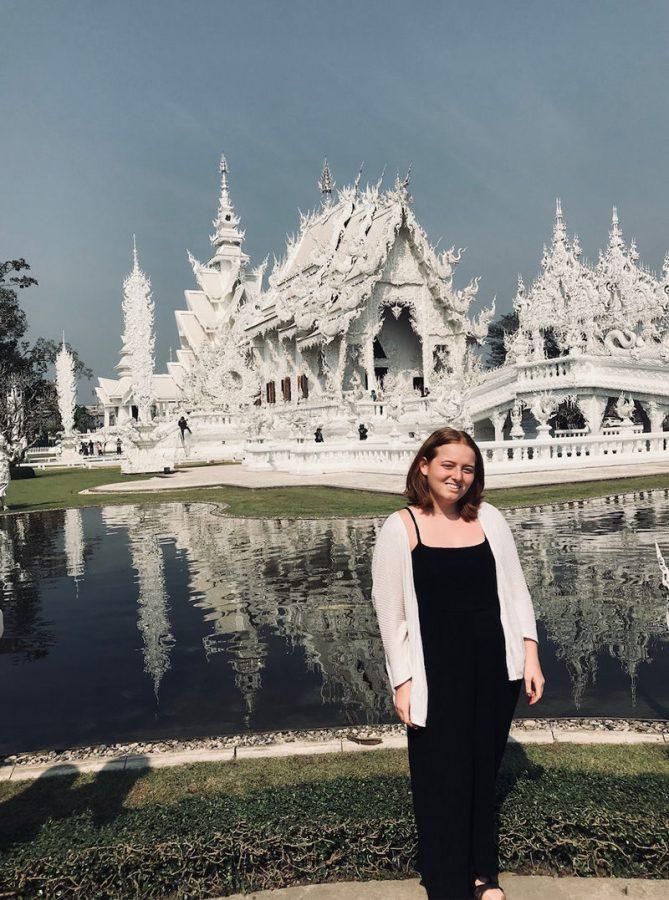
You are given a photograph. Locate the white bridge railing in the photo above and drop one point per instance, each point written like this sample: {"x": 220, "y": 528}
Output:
{"x": 578, "y": 451}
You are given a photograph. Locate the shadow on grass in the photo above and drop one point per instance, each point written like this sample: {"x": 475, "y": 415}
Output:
{"x": 56, "y": 796}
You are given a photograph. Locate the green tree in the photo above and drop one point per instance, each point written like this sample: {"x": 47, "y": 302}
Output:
{"x": 508, "y": 324}
{"x": 494, "y": 342}
{"x": 28, "y": 401}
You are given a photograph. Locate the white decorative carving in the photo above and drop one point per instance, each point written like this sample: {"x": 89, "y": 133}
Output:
{"x": 66, "y": 390}
{"x": 138, "y": 337}
{"x": 356, "y": 263}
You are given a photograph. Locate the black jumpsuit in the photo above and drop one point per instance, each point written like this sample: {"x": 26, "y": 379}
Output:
{"x": 455, "y": 758}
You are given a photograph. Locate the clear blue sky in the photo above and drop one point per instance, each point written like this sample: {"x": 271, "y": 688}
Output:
{"x": 114, "y": 115}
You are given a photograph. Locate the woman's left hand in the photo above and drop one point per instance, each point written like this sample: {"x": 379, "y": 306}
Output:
{"x": 533, "y": 676}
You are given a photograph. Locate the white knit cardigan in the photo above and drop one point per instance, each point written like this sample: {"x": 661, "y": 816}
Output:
{"x": 396, "y": 605}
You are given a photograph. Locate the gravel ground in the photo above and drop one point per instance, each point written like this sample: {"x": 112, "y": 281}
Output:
{"x": 357, "y": 732}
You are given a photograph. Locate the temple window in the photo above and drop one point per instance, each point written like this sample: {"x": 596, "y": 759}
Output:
{"x": 270, "y": 392}
{"x": 303, "y": 385}
{"x": 285, "y": 388}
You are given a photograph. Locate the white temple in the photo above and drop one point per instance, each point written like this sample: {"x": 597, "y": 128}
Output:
{"x": 360, "y": 323}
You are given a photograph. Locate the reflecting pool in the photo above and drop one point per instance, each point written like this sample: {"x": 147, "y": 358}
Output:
{"x": 147, "y": 622}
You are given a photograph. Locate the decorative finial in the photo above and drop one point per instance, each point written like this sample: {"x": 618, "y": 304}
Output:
{"x": 134, "y": 253}
{"x": 326, "y": 184}
{"x": 402, "y": 187}
{"x": 226, "y": 221}
{"x": 380, "y": 181}
{"x": 559, "y": 230}
{"x": 615, "y": 235}
{"x": 356, "y": 183}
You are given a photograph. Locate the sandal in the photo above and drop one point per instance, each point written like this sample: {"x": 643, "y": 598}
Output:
{"x": 488, "y": 884}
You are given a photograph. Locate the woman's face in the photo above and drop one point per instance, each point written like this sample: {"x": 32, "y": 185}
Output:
{"x": 450, "y": 472}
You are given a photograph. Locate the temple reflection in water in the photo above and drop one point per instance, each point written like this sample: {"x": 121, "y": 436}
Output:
{"x": 287, "y": 601}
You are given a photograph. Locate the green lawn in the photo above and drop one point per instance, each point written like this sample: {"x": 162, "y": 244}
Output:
{"x": 212, "y": 829}
{"x": 172, "y": 785}
{"x": 59, "y": 488}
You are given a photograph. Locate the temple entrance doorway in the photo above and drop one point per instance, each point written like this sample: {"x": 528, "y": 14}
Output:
{"x": 397, "y": 347}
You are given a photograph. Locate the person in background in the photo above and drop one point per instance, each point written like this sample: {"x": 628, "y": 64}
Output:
{"x": 119, "y": 447}
{"x": 183, "y": 426}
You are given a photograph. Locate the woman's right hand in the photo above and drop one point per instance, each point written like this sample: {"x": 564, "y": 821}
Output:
{"x": 402, "y": 707}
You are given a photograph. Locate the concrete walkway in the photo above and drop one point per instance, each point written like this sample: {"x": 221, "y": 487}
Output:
{"x": 516, "y": 887}
{"x": 149, "y": 760}
{"x": 240, "y": 476}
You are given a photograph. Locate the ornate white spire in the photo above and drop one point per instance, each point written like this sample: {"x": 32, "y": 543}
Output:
{"x": 226, "y": 233}
{"x": 66, "y": 388}
{"x": 138, "y": 337}
{"x": 559, "y": 230}
{"x": 615, "y": 235}
{"x": 629, "y": 292}
{"x": 563, "y": 299}
{"x": 326, "y": 184}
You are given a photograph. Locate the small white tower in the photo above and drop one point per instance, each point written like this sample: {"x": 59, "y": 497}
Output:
{"x": 227, "y": 237}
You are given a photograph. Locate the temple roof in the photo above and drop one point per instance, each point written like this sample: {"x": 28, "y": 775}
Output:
{"x": 339, "y": 254}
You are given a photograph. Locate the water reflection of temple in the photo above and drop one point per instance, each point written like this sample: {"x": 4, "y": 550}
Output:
{"x": 583, "y": 566}
{"x": 306, "y": 582}
{"x": 144, "y": 527}
{"x": 591, "y": 567}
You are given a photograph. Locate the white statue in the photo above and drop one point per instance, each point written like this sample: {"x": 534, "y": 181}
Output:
{"x": 624, "y": 409}
{"x": 517, "y": 419}
{"x": 356, "y": 387}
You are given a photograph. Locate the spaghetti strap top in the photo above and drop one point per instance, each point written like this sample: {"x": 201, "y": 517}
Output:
{"x": 428, "y": 547}
{"x": 452, "y": 579}
{"x": 415, "y": 525}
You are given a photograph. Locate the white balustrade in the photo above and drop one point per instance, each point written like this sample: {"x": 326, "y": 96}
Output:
{"x": 575, "y": 451}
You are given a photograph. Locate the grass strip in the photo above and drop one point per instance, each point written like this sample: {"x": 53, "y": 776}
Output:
{"x": 59, "y": 488}
{"x": 221, "y": 828}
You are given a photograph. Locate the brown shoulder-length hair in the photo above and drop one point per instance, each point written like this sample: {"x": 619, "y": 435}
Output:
{"x": 417, "y": 491}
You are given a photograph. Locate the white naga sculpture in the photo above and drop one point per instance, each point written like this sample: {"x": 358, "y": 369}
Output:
{"x": 624, "y": 409}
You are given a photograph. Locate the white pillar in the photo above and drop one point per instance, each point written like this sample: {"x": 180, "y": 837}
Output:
{"x": 498, "y": 418}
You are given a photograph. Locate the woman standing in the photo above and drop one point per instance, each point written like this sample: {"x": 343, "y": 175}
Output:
{"x": 457, "y": 624}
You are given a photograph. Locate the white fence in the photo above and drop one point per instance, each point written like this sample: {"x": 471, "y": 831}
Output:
{"x": 580, "y": 451}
